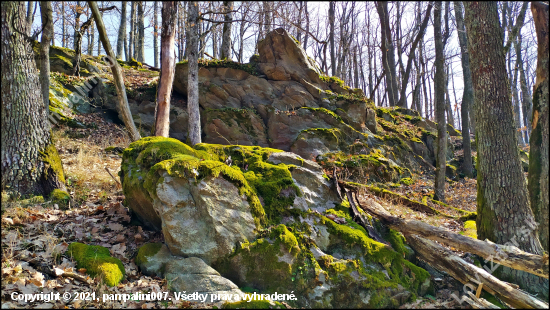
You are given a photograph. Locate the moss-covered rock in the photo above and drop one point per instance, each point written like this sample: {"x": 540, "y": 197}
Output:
{"x": 98, "y": 262}
{"x": 60, "y": 196}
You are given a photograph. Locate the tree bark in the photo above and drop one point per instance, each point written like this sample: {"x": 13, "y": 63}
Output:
{"x": 468, "y": 92}
{"x": 503, "y": 212}
{"x": 123, "y": 107}
{"x": 226, "y": 38}
{"x": 78, "y": 46}
{"x": 122, "y": 32}
{"x": 168, "y": 66}
{"x": 30, "y": 162}
{"x": 63, "y": 32}
{"x": 30, "y": 17}
{"x": 515, "y": 101}
{"x": 441, "y": 163}
{"x": 47, "y": 34}
{"x": 448, "y": 107}
{"x": 538, "y": 157}
{"x": 193, "y": 77}
{"x": 526, "y": 100}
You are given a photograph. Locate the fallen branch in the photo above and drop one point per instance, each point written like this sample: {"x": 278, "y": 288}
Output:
{"x": 112, "y": 176}
{"x": 441, "y": 258}
{"x": 509, "y": 256}
{"x": 358, "y": 217}
{"x": 49, "y": 271}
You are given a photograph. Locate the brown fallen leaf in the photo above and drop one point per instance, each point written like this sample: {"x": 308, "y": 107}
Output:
{"x": 82, "y": 270}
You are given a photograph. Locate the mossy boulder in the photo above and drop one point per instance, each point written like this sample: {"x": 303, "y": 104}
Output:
{"x": 98, "y": 262}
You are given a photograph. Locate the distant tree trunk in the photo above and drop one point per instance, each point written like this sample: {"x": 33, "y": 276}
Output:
{"x": 448, "y": 108}
{"x": 503, "y": 213}
{"x": 78, "y": 46}
{"x": 226, "y": 39}
{"x": 468, "y": 92}
{"x": 331, "y": 37}
{"x": 123, "y": 107}
{"x": 30, "y": 16}
{"x": 47, "y": 34}
{"x": 91, "y": 45}
{"x": 439, "y": 95}
{"x": 99, "y": 37}
{"x": 63, "y": 31}
{"x": 155, "y": 34}
{"x": 141, "y": 32}
{"x": 516, "y": 103}
{"x": 193, "y": 78}
{"x": 306, "y": 36}
{"x": 167, "y": 67}
{"x": 131, "y": 49}
{"x": 122, "y": 31}
{"x": 388, "y": 52}
{"x": 30, "y": 162}
{"x": 527, "y": 102}
{"x": 538, "y": 157}
{"x": 76, "y": 23}
{"x": 267, "y": 16}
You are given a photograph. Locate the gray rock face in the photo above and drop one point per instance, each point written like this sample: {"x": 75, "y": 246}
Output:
{"x": 205, "y": 220}
{"x": 308, "y": 176}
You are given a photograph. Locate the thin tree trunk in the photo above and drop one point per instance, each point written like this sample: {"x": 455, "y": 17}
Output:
{"x": 141, "y": 32}
{"x": 30, "y": 162}
{"x": 155, "y": 34}
{"x": 526, "y": 100}
{"x": 439, "y": 187}
{"x": 538, "y": 157}
{"x": 516, "y": 103}
{"x": 468, "y": 92}
{"x": 124, "y": 108}
{"x": 91, "y": 45}
{"x": 503, "y": 213}
{"x": 226, "y": 39}
{"x": 388, "y": 53}
{"x": 78, "y": 46}
{"x": 63, "y": 31}
{"x": 47, "y": 34}
{"x": 121, "y": 31}
{"x": 30, "y": 17}
{"x": 131, "y": 50}
{"x": 168, "y": 66}
{"x": 331, "y": 37}
{"x": 448, "y": 108}
{"x": 193, "y": 78}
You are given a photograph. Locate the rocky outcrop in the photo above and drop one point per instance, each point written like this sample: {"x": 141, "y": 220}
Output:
{"x": 269, "y": 221}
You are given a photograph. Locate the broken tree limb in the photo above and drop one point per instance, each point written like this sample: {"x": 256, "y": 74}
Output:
{"x": 441, "y": 258}
{"x": 509, "y": 256}
{"x": 359, "y": 219}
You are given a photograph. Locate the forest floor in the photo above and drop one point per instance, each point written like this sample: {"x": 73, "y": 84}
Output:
{"x": 35, "y": 234}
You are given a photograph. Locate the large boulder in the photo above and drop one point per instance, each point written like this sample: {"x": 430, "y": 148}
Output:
{"x": 265, "y": 219}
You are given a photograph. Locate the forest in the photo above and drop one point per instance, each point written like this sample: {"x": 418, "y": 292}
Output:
{"x": 274, "y": 155}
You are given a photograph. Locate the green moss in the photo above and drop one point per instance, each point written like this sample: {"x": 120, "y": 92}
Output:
{"x": 249, "y": 68}
{"x": 51, "y": 159}
{"x": 147, "y": 250}
{"x": 470, "y": 229}
{"x": 98, "y": 262}
{"x": 60, "y": 196}
{"x": 406, "y": 181}
{"x": 325, "y": 111}
{"x": 254, "y": 304}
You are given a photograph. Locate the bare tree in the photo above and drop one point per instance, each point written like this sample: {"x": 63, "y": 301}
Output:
{"x": 226, "y": 38}
{"x": 439, "y": 187}
{"x": 47, "y": 33}
{"x": 121, "y": 31}
{"x": 193, "y": 79}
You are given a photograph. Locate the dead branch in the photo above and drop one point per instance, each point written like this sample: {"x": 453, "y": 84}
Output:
{"x": 509, "y": 256}
{"x": 441, "y": 258}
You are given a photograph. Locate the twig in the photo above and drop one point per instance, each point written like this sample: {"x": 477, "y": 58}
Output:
{"x": 112, "y": 176}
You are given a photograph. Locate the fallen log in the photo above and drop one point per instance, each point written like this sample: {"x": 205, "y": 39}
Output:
{"x": 441, "y": 258}
{"x": 509, "y": 256}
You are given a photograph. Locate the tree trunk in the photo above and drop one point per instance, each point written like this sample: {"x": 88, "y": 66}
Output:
{"x": 30, "y": 162}
{"x": 439, "y": 186}
{"x": 122, "y": 31}
{"x": 91, "y": 45}
{"x": 503, "y": 213}
{"x": 516, "y": 103}
{"x": 123, "y": 107}
{"x": 47, "y": 34}
{"x": 226, "y": 39}
{"x": 155, "y": 34}
{"x": 167, "y": 67}
{"x": 388, "y": 53}
{"x": 538, "y": 157}
{"x": 448, "y": 108}
{"x": 141, "y": 32}
{"x": 331, "y": 37}
{"x": 78, "y": 46}
{"x": 30, "y": 17}
{"x": 526, "y": 100}
{"x": 63, "y": 31}
{"x": 193, "y": 78}
{"x": 468, "y": 92}
{"x": 131, "y": 44}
